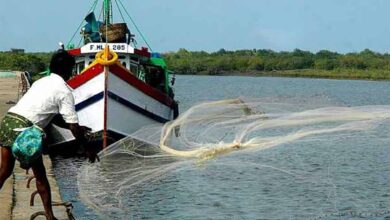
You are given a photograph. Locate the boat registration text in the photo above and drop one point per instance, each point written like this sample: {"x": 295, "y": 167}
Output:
{"x": 117, "y": 47}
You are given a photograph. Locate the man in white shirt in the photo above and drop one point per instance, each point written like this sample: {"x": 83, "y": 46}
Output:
{"x": 46, "y": 98}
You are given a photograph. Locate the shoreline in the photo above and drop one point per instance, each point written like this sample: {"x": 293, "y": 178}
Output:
{"x": 306, "y": 73}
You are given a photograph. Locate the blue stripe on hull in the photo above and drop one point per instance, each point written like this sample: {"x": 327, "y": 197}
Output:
{"x": 136, "y": 108}
{"x": 89, "y": 101}
{"x": 122, "y": 101}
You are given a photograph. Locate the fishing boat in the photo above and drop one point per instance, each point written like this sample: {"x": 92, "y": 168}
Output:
{"x": 118, "y": 88}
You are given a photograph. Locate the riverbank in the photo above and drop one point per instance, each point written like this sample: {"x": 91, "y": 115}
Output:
{"x": 347, "y": 74}
{"x": 15, "y": 196}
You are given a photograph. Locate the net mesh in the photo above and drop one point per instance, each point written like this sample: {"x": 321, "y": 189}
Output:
{"x": 230, "y": 136}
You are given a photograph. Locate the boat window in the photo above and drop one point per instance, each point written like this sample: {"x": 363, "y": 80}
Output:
{"x": 80, "y": 59}
{"x": 154, "y": 76}
{"x": 80, "y": 66}
{"x": 133, "y": 69}
{"x": 74, "y": 71}
{"x": 135, "y": 59}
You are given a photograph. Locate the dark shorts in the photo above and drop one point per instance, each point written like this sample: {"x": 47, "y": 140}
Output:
{"x": 7, "y": 126}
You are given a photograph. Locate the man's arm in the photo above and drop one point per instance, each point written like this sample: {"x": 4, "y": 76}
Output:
{"x": 68, "y": 113}
{"x": 81, "y": 133}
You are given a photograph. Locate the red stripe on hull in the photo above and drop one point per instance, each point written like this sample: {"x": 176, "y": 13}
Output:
{"x": 86, "y": 76}
{"x": 75, "y": 52}
{"x": 126, "y": 76}
{"x": 140, "y": 85}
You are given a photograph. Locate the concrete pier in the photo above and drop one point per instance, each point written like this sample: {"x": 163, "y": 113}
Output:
{"x": 15, "y": 196}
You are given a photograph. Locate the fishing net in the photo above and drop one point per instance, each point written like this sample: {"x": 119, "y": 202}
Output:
{"x": 248, "y": 158}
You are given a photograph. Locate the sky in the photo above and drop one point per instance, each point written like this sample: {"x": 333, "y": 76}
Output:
{"x": 281, "y": 25}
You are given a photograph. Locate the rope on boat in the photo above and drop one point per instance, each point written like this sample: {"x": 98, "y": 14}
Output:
{"x": 82, "y": 22}
{"x": 120, "y": 11}
{"x": 136, "y": 27}
{"x": 127, "y": 13}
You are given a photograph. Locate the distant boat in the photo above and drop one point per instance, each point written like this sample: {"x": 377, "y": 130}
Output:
{"x": 118, "y": 88}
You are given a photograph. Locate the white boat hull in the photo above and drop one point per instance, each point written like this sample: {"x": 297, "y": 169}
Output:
{"x": 111, "y": 101}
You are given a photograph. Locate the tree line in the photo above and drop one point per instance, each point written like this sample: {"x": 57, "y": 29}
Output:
{"x": 186, "y": 62}
{"x": 242, "y": 61}
{"x": 31, "y": 62}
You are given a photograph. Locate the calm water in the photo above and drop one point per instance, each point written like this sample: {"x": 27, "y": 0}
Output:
{"x": 342, "y": 178}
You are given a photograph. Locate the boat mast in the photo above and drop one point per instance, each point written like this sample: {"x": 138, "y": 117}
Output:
{"x": 107, "y": 11}
{"x": 107, "y": 14}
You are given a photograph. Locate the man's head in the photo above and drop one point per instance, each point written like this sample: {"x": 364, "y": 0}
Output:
{"x": 62, "y": 63}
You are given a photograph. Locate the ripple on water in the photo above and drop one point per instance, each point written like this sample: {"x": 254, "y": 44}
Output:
{"x": 331, "y": 177}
